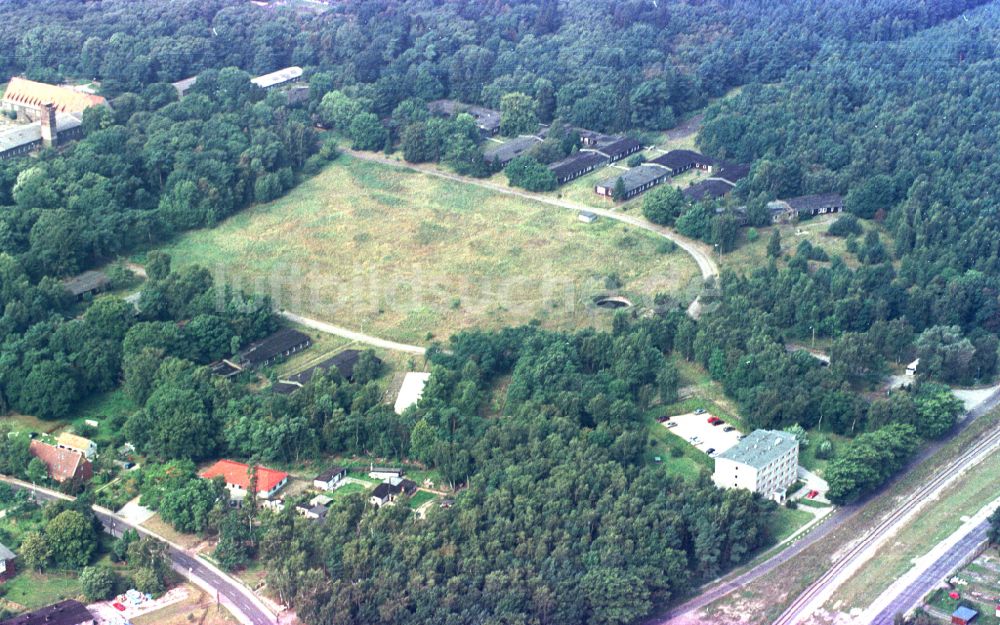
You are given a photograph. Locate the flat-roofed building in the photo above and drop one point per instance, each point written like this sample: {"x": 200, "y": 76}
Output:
{"x": 276, "y": 79}
{"x": 765, "y": 462}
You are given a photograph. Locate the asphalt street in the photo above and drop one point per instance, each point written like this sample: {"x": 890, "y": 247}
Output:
{"x": 934, "y": 575}
{"x": 229, "y": 592}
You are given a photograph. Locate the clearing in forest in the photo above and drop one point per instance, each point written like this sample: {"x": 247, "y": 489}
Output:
{"x": 406, "y": 256}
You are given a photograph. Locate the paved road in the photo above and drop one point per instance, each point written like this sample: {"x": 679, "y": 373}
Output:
{"x": 714, "y": 591}
{"x": 234, "y": 595}
{"x": 860, "y": 552}
{"x": 910, "y": 596}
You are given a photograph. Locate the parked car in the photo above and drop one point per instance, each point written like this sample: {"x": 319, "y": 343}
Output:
{"x": 699, "y": 411}
{"x": 710, "y": 451}
{"x": 728, "y": 428}
{"x": 718, "y": 422}
{"x": 663, "y": 419}
{"x": 671, "y": 424}
{"x": 714, "y": 420}
{"x": 812, "y": 494}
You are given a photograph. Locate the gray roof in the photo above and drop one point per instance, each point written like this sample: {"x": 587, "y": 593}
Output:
{"x": 6, "y": 553}
{"x": 485, "y": 118}
{"x": 760, "y": 448}
{"x": 636, "y": 177}
{"x": 23, "y": 134}
{"x": 510, "y": 150}
{"x": 86, "y": 282}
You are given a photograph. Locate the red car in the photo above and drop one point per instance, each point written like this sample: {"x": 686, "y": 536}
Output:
{"x": 118, "y": 606}
{"x": 812, "y": 494}
{"x": 714, "y": 420}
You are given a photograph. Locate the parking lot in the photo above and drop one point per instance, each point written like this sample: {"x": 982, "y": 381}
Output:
{"x": 705, "y": 435}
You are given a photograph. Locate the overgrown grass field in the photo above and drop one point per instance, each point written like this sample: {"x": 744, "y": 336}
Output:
{"x": 410, "y": 257}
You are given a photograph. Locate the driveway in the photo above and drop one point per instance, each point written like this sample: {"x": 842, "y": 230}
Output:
{"x": 135, "y": 513}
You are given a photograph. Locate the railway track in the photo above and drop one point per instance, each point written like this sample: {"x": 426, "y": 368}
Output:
{"x": 800, "y": 608}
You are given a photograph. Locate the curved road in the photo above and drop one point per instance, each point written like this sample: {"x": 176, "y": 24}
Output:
{"x": 701, "y": 253}
{"x": 237, "y": 598}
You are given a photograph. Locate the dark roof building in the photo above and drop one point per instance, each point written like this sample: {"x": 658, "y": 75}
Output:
{"x": 282, "y": 343}
{"x": 817, "y": 204}
{"x": 344, "y": 362}
{"x": 68, "y": 612}
{"x": 635, "y": 181}
{"x": 710, "y": 189}
{"x": 487, "y": 120}
{"x": 805, "y": 205}
{"x": 329, "y": 478}
{"x": 619, "y": 148}
{"x": 731, "y": 172}
{"x": 87, "y": 283}
{"x": 682, "y": 160}
{"x": 509, "y": 150}
{"x": 577, "y": 165}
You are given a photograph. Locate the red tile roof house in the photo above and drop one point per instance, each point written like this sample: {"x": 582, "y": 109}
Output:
{"x": 236, "y": 475}
{"x": 63, "y": 464}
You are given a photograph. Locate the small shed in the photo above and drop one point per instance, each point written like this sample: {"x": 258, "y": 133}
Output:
{"x": 911, "y": 369}
{"x": 587, "y": 217}
{"x": 87, "y": 283}
{"x": 963, "y": 616}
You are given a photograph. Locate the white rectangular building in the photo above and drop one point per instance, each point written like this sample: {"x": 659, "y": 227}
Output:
{"x": 765, "y": 462}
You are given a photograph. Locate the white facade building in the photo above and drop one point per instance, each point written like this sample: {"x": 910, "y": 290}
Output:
{"x": 765, "y": 462}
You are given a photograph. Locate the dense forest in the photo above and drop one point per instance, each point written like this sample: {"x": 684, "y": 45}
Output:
{"x": 891, "y": 103}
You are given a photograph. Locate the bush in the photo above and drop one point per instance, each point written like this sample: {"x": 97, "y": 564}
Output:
{"x": 846, "y": 225}
{"x": 824, "y": 450}
{"x": 752, "y": 235}
{"x": 528, "y": 173}
{"x": 666, "y": 246}
{"x": 635, "y": 160}
{"x": 99, "y": 582}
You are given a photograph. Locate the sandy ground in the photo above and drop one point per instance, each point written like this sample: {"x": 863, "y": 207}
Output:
{"x": 135, "y": 513}
{"x": 106, "y": 613}
{"x": 972, "y": 397}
